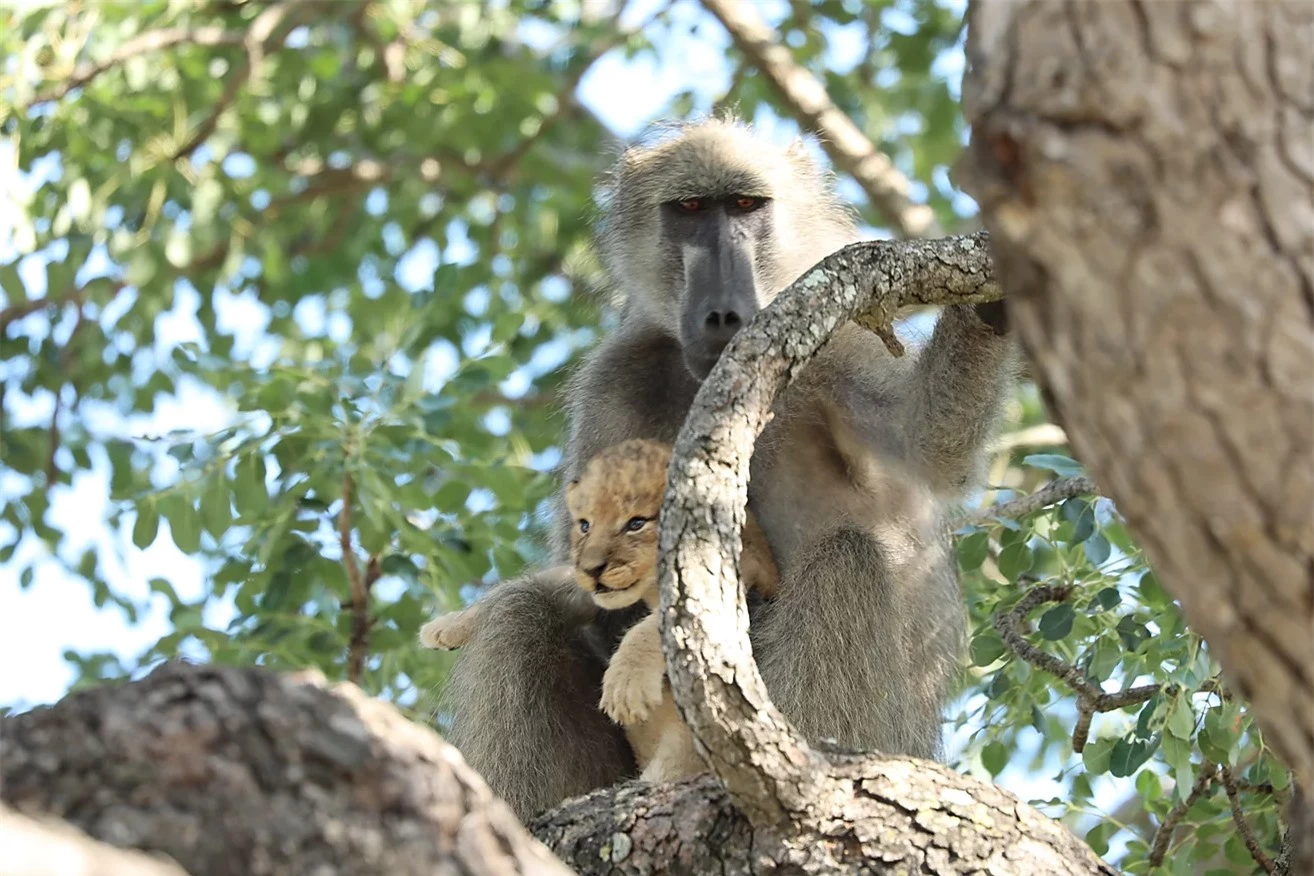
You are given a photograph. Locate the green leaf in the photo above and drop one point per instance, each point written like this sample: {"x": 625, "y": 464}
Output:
{"x": 506, "y": 326}
{"x": 1148, "y": 786}
{"x": 1097, "y": 549}
{"x": 994, "y": 757}
{"x": 1015, "y": 560}
{"x": 1060, "y": 465}
{"x": 1132, "y": 633}
{"x": 1096, "y": 756}
{"x": 1098, "y": 837}
{"x": 1106, "y": 600}
{"x": 1217, "y": 738}
{"x": 215, "y": 509}
{"x": 147, "y": 524}
{"x": 1081, "y": 514}
{"x": 986, "y": 649}
{"x": 1154, "y": 596}
{"x": 184, "y": 522}
{"x": 1105, "y": 657}
{"x": 1056, "y": 623}
{"x": 451, "y": 496}
{"x": 249, "y": 492}
{"x": 1181, "y": 719}
{"x": 1128, "y": 756}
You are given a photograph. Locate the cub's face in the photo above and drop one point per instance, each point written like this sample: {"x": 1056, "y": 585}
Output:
{"x": 614, "y": 506}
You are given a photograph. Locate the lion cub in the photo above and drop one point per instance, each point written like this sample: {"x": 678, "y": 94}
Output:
{"x": 615, "y": 503}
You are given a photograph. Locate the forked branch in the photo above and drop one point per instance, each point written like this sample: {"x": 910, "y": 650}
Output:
{"x": 1012, "y": 627}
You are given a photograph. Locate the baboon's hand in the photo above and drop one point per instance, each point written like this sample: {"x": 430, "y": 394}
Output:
{"x": 631, "y": 690}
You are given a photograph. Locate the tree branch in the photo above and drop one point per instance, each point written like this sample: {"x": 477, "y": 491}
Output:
{"x": 1204, "y": 783}
{"x": 1050, "y": 493}
{"x": 769, "y": 770}
{"x": 359, "y": 606}
{"x": 151, "y": 41}
{"x": 1012, "y": 627}
{"x": 847, "y": 146}
{"x": 268, "y": 28}
{"x": 1242, "y": 825}
{"x": 230, "y": 770}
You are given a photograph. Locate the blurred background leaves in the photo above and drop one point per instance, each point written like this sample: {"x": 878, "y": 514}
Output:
{"x": 258, "y": 256}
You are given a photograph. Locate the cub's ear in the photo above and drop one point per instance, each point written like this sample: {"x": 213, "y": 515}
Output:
{"x": 572, "y": 489}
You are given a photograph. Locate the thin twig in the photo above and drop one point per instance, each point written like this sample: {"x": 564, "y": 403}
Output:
{"x": 268, "y": 28}
{"x": 1050, "y": 493}
{"x": 844, "y": 141}
{"x": 151, "y": 41}
{"x": 65, "y": 360}
{"x": 1163, "y": 836}
{"x": 1012, "y": 627}
{"x": 1234, "y": 800}
{"x": 360, "y": 588}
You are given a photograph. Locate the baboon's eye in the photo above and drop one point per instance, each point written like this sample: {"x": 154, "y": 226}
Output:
{"x": 747, "y": 204}
{"x": 583, "y": 526}
{"x": 636, "y": 523}
{"x": 690, "y": 205}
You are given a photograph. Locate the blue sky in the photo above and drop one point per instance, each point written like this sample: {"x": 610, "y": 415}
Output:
{"x": 57, "y": 614}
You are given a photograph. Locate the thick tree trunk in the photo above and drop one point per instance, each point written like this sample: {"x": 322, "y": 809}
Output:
{"x": 1147, "y": 172}
{"x": 237, "y": 771}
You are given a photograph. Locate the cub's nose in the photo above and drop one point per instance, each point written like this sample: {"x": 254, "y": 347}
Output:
{"x": 595, "y": 572}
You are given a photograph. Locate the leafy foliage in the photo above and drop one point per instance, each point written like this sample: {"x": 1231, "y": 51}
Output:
{"x": 358, "y": 232}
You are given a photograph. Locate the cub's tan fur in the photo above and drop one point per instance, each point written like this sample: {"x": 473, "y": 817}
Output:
{"x": 614, "y": 505}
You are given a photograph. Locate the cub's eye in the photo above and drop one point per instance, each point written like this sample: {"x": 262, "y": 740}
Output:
{"x": 747, "y": 204}
{"x": 583, "y": 526}
{"x": 690, "y": 205}
{"x": 636, "y": 523}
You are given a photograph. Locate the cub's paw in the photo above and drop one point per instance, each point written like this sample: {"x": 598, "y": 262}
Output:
{"x": 631, "y": 692}
{"x": 448, "y": 632}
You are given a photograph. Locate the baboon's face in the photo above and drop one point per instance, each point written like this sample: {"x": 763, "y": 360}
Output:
{"x": 704, "y": 228}
{"x": 718, "y": 242}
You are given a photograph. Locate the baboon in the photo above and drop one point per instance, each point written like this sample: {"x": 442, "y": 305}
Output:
{"x": 702, "y": 227}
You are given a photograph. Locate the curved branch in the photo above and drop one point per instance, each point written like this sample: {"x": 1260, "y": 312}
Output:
{"x": 767, "y": 767}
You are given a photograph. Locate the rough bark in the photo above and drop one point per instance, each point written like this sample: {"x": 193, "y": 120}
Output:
{"x": 237, "y": 771}
{"x": 1147, "y": 172}
{"x": 900, "y": 816}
